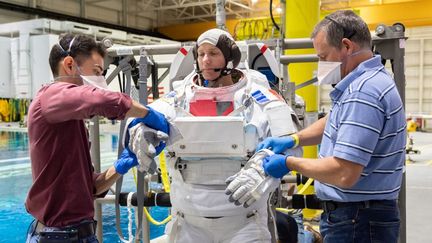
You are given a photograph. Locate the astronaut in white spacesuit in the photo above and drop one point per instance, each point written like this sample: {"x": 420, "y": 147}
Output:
{"x": 202, "y": 211}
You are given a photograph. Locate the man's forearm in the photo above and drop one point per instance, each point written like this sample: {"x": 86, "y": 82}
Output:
{"x": 106, "y": 179}
{"x": 330, "y": 170}
{"x": 137, "y": 110}
{"x": 312, "y": 135}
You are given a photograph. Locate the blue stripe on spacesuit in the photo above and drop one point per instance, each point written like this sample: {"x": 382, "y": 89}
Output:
{"x": 259, "y": 97}
{"x": 171, "y": 94}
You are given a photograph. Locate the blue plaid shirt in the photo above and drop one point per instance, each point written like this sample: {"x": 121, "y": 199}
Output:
{"x": 366, "y": 126}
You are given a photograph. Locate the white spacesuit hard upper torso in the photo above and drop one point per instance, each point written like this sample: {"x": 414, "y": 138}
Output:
{"x": 198, "y": 188}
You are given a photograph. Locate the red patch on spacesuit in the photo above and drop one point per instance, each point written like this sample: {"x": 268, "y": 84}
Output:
{"x": 183, "y": 51}
{"x": 276, "y": 94}
{"x": 210, "y": 108}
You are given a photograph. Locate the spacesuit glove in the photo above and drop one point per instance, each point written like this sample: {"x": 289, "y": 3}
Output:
{"x": 145, "y": 143}
{"x": 278, "y": 144}
{"x": 250, "y": 183}
{"x": 126, "y": 161}
{"x": 155, "y": 120}
{"x": 155, "y": 137}
{"x": 275, "y": 165}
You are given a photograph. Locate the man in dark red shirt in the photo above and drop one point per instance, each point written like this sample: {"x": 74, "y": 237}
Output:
{"x": 64, "y": 182}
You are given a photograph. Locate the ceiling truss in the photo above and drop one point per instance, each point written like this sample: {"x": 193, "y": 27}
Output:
{"x": 168, "y": 12}
{"x": 156, "y": 13}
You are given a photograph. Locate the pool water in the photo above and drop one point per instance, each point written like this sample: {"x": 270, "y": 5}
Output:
{"x": 15, "y": 181}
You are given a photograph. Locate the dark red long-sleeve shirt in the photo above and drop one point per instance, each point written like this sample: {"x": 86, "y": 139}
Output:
{"x": 63, "y": 178}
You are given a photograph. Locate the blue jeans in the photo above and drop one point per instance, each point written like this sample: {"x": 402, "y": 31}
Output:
{"x": 378, "y": 223}
{"x": 303, "y": 235}
{"x": 33, "y": 237}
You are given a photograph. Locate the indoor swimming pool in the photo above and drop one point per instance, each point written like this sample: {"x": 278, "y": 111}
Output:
{"x": 15, "y": 181}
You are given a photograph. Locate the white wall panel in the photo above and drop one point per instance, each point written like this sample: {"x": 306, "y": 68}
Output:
{"x": 428, "y": 42}
{"x": 8, "y": 16}
{"x": 413, "y": 45}
{"x": 65, "y": 7}
{"x": 40, "y": 47}
{"x": 104, "y": 14}
{"x": 104, "y": 11}
{"x": 5, "y": 69}
{"x": 428, "y": 57}
{"x": 14, "y": 59}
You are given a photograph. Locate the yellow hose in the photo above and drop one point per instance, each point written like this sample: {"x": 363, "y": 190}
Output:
{"x": 305, "y": 186}
{"x": 165, "y": 182}
{"x": 164, "y": 172}
{"x": 155, "y": 222}
{"x": 284, "y": 210}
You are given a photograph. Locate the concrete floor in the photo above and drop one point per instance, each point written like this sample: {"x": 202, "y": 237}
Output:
{"x": 419, "y": 190}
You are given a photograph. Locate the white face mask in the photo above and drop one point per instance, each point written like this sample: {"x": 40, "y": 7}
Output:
{"x": 329, "y": 72}
{"x": 95, "y": 81}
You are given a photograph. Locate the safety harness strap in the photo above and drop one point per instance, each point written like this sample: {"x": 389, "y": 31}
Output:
{"x": 119, "y": 182}
{"x": 140, "y": 202}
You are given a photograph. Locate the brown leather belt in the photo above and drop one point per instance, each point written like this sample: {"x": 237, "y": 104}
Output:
{"x": 84, "y": 229}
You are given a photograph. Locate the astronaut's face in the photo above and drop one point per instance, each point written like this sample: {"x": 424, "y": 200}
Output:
{"x": 210, "y": 58}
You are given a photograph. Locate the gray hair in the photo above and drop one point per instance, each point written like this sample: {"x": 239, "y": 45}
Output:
{"x": 344, "y": 24}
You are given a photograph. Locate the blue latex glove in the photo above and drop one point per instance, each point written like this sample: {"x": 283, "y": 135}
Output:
{"x": 126, "y": 161}
{"x": 275, "y": 165}
{"x": 155, "y": 120}
{"x": 277, "y": 144}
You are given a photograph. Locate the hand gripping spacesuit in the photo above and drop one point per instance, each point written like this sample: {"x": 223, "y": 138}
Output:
{"x": 221, "y": 127}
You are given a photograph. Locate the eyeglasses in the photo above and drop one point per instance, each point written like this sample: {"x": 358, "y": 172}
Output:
{"x": 347, "y": 33}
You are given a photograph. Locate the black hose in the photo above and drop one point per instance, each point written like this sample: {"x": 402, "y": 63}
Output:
{"x": 271, "y": 16}
{"x": 274, "y": 87}
{"x": 254, "y": 60}
{"x": 120, "y": 83}
{"x": 124, "y": 81}
{"x": 150, "y": 200}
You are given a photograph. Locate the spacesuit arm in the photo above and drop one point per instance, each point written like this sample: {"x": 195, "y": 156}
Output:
{"x": 283, "y": 122}
{"x": 280, "y": 118}
{"x": 146, "y": 142}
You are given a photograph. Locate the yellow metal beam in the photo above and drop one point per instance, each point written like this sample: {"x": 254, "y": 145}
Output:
{"x": 332, "y": 5}
{"x": 410, "y": 14}
{"x": 301, "y": 18}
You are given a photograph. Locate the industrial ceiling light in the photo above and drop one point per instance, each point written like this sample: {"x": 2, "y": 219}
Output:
{"x": 278, "y": 10}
